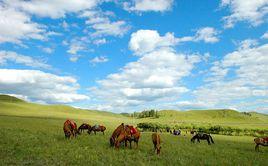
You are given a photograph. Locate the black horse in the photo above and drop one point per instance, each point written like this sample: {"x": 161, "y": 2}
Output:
{"x": 202, "y": 136}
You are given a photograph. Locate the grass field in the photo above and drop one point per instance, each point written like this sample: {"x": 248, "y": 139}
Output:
{"x": 32, "y": 134}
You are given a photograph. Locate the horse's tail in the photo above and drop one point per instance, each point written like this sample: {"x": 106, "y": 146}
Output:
{"x": 211, "y": 139}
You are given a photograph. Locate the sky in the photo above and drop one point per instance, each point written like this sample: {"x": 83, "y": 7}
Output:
{"x": 125, "y": 56}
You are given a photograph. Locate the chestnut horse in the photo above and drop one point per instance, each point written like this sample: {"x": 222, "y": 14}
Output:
{"x": 260, "y": 141}
{"x": 97, "y": 128}
{"x": 134, "y": 136}
{"x": 70, "y": 129}
{"x": 156, "y": 142}
{"x": 116, "y": 133}
{"x": 83, "y": 127}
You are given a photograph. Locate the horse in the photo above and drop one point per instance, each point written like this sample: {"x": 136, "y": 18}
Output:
{"x": 202, "y": 136}
{"x": 134, "y": 136}
{"x": 124, "y": 136}
{"x": 156, "y": 142}
{"x": 97, "y": 128}
{"x": 260, "y": 141}
{"x": 83, "y": 127}
{"x": 70, "y": 129}
{"x": 116, "y": 133}
{"x": 176, "y": 132}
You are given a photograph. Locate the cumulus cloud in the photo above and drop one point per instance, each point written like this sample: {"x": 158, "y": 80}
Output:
{"x": 241, "y": 75}
{"x": 148, "y": 5}
{"x": 39, "y": 86}
{"x": 253, "y": 12}
{"x": 155, "y": 76}
{"x": 144, "y": 41}
{"x": 10, "y": 56}
{"x": 16, "y": 25}
{"x": 53, "y": 9}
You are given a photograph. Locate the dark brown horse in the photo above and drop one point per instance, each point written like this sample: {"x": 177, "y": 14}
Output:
{"x": 97, "y": 128}
{"x": 70, "y": 129}
{"x": 134, "y": 136}
{"x": 260, "y": 141}
{"x": 202, "y": 136}
{"x": 156, "y": 142}
{"x": 83, "y": 127}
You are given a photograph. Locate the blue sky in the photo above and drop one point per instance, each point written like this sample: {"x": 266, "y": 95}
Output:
{"x": 126, "y": 56}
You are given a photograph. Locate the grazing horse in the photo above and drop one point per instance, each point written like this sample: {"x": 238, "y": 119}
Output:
{"x": 260, "y": 141}
{"x": 124, "y": 134}
{"x": 134, "y": 136}
{"x": 156, "y": 142}
{"x": 70, "y": 129}
{"x": 176, "y": 132}
{"x": 97, "y": 128}
{"x": 202, "y": 136}
{"x": 83, "y": 127}
{"x": 116, "y": 133}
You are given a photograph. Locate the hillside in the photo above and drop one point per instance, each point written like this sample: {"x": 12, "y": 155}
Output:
{"x": 11, "y": 106}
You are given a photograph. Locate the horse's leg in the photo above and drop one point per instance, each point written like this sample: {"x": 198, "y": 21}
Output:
{"x": 198, "y": 140}
{"x": 257, "y": 147}
{"x": 130, "y": 144}
{"x": 137, "y": 143}
{"x": 208, "y": 141}
{"x": 103, "y": 132}
{"x": 94, "y": 132}
{"x": 125, "y": 143}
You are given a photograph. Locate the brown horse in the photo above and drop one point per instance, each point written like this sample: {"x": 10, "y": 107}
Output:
{"x": 83, "y": 127}
{"x": 97, "y": 128}
{"x": 260, "y": 141}
{"x": 70, "y": 129}
{"x": 116, "y": 133}
{"x": 123, "y": 135}
{"x": 134, "y": 136}
{"x": 156, "y": 142}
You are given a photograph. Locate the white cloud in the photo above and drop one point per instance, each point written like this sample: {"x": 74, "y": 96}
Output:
{"x": 207, "y": 34}
{"x": 75, "y": 48}
{"x": 265, "y": 35}
{"x": 155, "y": 76}
{"x": 9, "y": 56}
{"x": 148, "y": 5}
{"x": 47, "y": 50}
{"x": 99, "y": 41}
{"x": 53, "y": 9}
{"x": 248, "y": 43}
{"x": 74, "y": 57}
{"x": 240, "y": 76}
{"x": 252, "y": 11}
{"x": 99, "y": 59}
{"x": 144, "y": 41}
{"x": 102, "y": 24}
{"x": 39, "y": 86}
{"x": 16, "y": 25}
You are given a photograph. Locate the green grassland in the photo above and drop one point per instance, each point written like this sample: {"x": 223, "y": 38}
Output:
{"x": 31, "y": 134}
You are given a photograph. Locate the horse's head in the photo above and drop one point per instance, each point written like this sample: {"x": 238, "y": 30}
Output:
{"x": 158, "y": 148}
{"x": 89, "y": 130}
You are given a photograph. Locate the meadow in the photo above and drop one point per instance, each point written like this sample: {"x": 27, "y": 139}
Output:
{"x": 32, "y": 134}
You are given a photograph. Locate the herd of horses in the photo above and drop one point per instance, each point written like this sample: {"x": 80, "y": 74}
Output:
{"x": 125, "y": 134}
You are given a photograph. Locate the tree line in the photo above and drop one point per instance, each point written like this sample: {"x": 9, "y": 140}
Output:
{"x": 216, "y": 129}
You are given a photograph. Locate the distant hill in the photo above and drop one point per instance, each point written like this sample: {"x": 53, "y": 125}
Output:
{"x": 8, "y": 98}
{"x": 12, "y": 106}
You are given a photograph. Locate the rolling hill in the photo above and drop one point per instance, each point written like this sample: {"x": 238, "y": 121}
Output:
{"x": 12, "y": 106}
